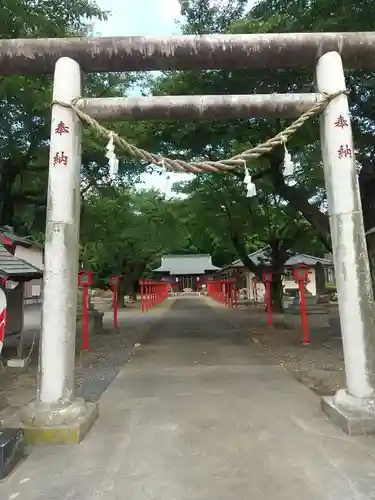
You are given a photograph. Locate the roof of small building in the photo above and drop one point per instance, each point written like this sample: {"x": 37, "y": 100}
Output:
{"x": 15, "y": 268}
{"x": 178, "y": 265}
{"x": 8, "y": 237}
{"x": 261, "y": 256}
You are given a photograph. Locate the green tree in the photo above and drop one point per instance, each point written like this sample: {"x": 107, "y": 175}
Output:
{"x": 213, "y": 140}
{"x": 219, "y": 207}
{"x": 25, "y": 113}
{"x": 126, "y": 232}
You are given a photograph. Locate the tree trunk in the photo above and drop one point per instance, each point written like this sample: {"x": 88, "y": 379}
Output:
{"x": 299, "y": 199}
{"x": 366, "y": 181}
{"x": 279, "y": 255}
{"x": 8, "y": 175}
{"x": 240, "y": 248}
{"x": 277, "y": 294}
{"x": 134, "y": 289}
{"x": 121, "y": 294}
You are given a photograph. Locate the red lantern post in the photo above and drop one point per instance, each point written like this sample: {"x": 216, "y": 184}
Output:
{"x": 301, "y": 276}
{"x": 267, "y": 279}
{"x": 84, "y": 281}
{"x": 115, "y": 280}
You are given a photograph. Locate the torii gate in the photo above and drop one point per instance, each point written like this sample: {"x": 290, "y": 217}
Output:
{"x": 56, "y": 404}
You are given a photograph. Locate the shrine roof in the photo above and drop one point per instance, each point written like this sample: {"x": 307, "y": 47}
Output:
{"x": 262, "y": 256}
{"x": 8, "y": 237}
{"x": 178, "y": 265}
{"x": 15, "y": 268}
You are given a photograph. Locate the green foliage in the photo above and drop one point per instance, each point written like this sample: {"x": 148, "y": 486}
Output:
{"x": 127, "y": 232}
{"x": 213, "y": 140}
{"x": 40, "y": 18}
{"x": 25, "y": 113}
{"x": 210, "y": 16}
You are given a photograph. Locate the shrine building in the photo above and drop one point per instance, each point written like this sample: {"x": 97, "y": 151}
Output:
{"x": 186, "y": 272}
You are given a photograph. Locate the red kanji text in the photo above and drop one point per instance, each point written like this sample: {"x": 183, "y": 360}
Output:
{"x": 341, "y": 122}
{"x": 62, "y": 129}
{"x": 60, "y": 159}
{"x": 344, "y": 152}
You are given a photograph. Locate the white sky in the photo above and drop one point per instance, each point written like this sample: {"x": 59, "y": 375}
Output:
{"x": 143, "y": 17}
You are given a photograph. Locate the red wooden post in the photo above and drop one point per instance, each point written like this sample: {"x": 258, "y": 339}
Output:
{"x": 267, "y": 278}
{"x": 3, "y": 314}
{"x": 147, "y": 292}
{"x": 141, "y": 286}
{"x": 302, "y": 277}
{"x": 84, "y": 281}
{"x": 114, "y": 280}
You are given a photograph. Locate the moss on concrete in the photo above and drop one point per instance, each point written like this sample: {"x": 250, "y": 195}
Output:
{"x": 67, "y": 434}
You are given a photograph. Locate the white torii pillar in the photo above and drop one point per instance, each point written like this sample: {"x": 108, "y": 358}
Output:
{"x": 56, "y": 405}
{"x": 353, "y": 408}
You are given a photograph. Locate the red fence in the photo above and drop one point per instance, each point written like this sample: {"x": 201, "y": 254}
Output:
{"x": 152, "y": 293}
{"x": 223, "y": 291}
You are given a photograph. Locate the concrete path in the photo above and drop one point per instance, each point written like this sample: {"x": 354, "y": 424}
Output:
{"x": 198, "y": 415}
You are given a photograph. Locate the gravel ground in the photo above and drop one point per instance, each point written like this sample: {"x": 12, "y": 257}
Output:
{"x": 319, "y": 365}
{"x": 95, "y": 369}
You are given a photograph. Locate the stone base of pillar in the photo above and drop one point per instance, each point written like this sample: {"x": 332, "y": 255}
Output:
{"x": 64, "y": 424}
{"x": 355, "y": 416}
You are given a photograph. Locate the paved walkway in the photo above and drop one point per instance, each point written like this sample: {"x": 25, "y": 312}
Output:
{"x": 198, "y": 415}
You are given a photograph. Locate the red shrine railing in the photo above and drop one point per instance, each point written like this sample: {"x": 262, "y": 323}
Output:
{"x": 224, "y": 291}
{"x": 152, "y": 293}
